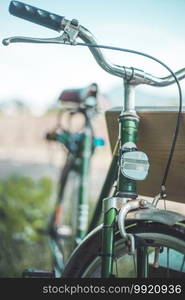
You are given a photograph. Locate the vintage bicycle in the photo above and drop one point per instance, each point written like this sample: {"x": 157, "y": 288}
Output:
{"x": 136, "y": 238}
{"x": 69, "y": 221}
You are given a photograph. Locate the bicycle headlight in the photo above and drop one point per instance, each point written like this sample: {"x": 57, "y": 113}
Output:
{"x": 134, "y": 165}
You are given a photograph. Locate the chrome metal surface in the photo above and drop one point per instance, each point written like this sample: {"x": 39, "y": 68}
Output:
{"x": 157, "y": 215}
{"x": 71, "y": 31}
{"x": 24, "y": 39}
{"x": 129, "y": 100}
{"x": 113, "y": 69}
{"x": 131, "y": 244}
{"x": 70, "y": 28}
{"x": 113, "y": 202}
{"x": 136, "y": 76}
{"x": 133, "y": 75}
{"x": 129, "y": 145}
{"x": 156, "y": 199}
{"x": 133, "y": 204}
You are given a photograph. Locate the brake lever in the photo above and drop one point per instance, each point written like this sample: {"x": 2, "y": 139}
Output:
{"x": 71, "y": 31}
{"x": 23, "y": 39}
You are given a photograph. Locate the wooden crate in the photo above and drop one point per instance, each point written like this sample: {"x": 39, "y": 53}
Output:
{"x": 157, "y": 127}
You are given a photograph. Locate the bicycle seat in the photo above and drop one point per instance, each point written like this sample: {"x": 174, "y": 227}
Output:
{"x": 86, "y": 96}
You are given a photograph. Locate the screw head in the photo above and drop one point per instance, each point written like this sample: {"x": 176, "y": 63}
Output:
{"x": 74, "y": 22}
{"x": 143, "y": 203}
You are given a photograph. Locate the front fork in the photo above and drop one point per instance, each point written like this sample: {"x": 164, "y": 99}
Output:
{"x": 115, "y": 211}
{"x": 111, "y": 207}
{"x": 133, "y": 166}
{"x": 108, "y": 242}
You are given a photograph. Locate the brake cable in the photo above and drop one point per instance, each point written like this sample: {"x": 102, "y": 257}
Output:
{"x": 174, "y": 141}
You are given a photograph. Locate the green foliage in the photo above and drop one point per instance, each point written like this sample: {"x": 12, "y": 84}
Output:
{"x": 24, "y": 208}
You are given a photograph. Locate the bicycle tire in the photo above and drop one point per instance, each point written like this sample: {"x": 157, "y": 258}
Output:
{"x": 63, "y": 243}
{"x": 69, "y": 211}
{"x": 150, "y": 233}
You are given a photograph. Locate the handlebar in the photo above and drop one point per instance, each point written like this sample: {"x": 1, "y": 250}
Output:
{"x": 71, "y": 31}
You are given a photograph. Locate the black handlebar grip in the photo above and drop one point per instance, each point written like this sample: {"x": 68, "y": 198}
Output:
{"x": 35, "y": 15}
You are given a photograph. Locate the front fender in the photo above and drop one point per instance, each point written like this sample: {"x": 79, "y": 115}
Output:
{"x": 156, "y": 215}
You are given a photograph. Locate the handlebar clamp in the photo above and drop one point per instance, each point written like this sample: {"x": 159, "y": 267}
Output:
{"x": 71, "y": 31}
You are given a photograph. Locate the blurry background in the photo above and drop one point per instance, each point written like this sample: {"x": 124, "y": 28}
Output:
{"x": 32, "y": 77}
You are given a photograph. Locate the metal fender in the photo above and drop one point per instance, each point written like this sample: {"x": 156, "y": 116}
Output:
{"x": 156, "y": 215}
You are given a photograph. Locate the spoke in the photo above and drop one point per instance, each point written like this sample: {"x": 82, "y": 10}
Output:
{"x": 134, "y": 264}
{"x": 182, "y": 266}
{"x": 164, "y": 204}
{"x": 168, "y": 263}
{"x": 116, "y": 266}
{"x": 156, "y": 257}
{"x": 142, "y": 262}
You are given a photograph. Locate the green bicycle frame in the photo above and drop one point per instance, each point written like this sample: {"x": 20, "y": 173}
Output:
{"x": 106, "y": 189}
{"x": 79, "y": 160}
{"x": 126, "y": 188}
{"x": 82, "y": 205}
{"x": 85, "y": 157}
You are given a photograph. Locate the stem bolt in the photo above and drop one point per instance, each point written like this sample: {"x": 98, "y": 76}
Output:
{"x": 143, "y": 203}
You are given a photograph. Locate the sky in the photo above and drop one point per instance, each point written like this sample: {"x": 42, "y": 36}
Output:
{"x": 37, "y": 73}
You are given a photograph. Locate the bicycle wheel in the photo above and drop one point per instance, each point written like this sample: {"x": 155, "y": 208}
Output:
{"x": 64, "y": 222}
{"x": 68, "y": 221}
{"x": 167, "y": 242}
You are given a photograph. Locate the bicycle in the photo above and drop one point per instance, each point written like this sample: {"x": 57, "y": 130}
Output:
{"x": 69, "y": 222}
{"x": 136, "y": 238}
